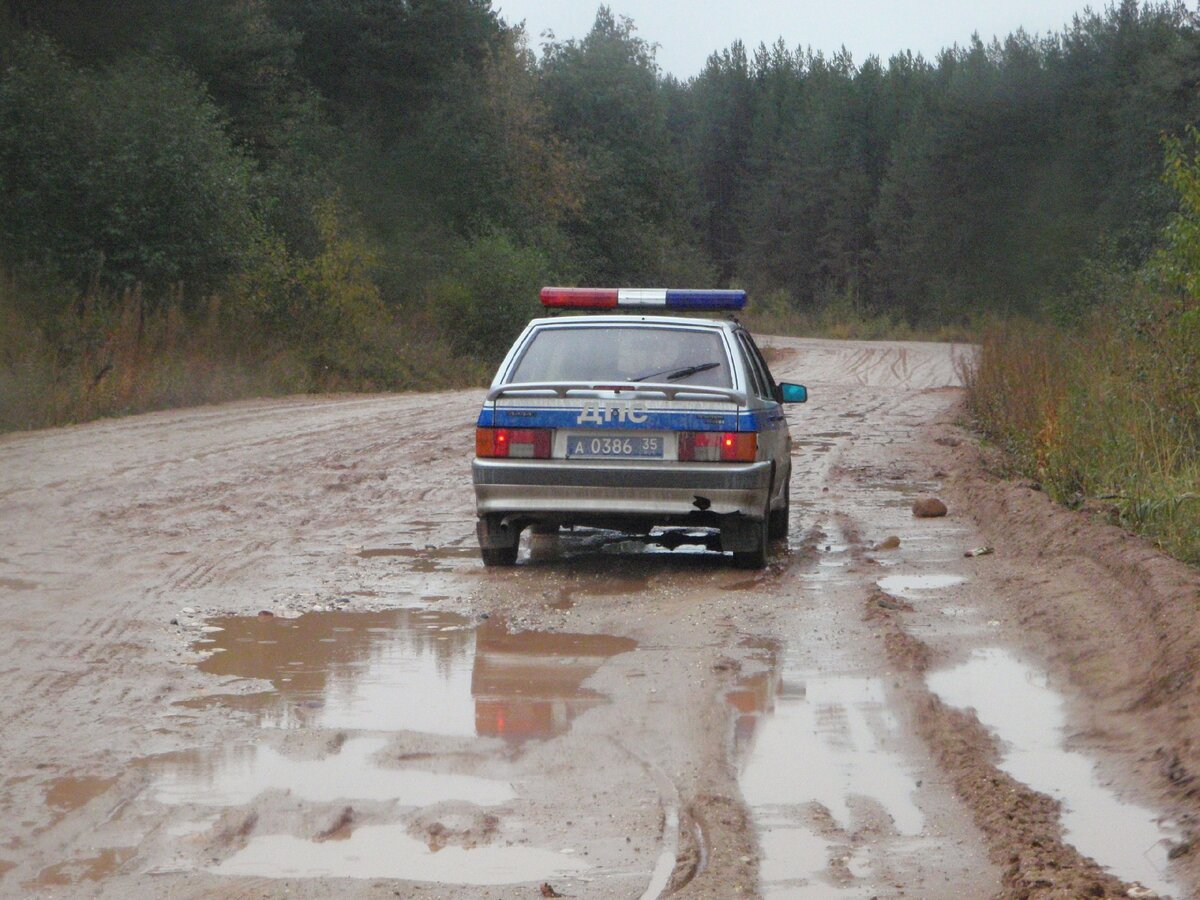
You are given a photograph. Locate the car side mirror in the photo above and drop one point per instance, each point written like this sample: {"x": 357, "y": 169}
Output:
{"x": 792, "y": 393}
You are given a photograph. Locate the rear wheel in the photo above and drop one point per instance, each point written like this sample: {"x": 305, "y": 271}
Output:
{"x": 499, "y": 556}
{"x": 498, "y": 541}
{"x": 756, "y": 558}
{"x": 777, "y": 521}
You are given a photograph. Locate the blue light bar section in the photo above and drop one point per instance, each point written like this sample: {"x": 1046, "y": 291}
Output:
{"x": 688, "y": 299}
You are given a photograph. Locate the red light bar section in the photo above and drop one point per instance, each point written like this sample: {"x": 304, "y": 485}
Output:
{"x": 579, "y": 298}
{"x": 642, "y": 298}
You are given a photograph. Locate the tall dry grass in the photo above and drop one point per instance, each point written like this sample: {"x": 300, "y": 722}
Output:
{"x": 119, "y": 357}
{"x": 841, "y": 316}
{"x": 110, "y": 356}
{"x": 1104, "y": 414}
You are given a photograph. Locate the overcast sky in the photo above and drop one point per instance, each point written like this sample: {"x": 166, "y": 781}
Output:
{"x": 687, "y": 32}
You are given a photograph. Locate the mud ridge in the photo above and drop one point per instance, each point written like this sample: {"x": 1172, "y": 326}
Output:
{"x": 1022, "y": 826}
{"x": 692, "y": 856}
{"x": 732, "y": 854}
{"x": 1123, "y": 619}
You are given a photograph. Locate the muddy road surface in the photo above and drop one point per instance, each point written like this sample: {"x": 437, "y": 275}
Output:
{"x": 250, "y": 651}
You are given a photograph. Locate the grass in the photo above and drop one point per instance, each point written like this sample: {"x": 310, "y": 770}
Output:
{"x": 1107, "y": 413}
{"x": 842, "y": 317}
{"x": 113, "y": 356}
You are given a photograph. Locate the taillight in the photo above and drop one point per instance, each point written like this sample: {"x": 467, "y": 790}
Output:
{"x": 513, "y": 443}
{"x": 718, "y": 446}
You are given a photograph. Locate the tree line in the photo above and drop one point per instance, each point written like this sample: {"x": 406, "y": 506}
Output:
{"x": 328, "y": 165}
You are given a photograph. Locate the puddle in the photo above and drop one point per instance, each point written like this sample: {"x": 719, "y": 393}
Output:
{"x": 746, "y": 584}
{"x": 586, "y": 549}
{"x": 408, "y": 670}
{"x": 354, "y": 772}
{"x": 68, "y": 794}
{"x": 1016, "y": 703}
{"x": 602, "y": 585}
{"x": 820, "y": 767}
{"x": 94, "y": 868}
{"x": 388, "y": 851}
{"x": 187, "y": 829}
{"x": 837, "y": 728}
{"x": 833, "y": 547}
{"x": 788, "y": 851}
{"x": 912, "y": 585}
{"x": 402, "y": 670}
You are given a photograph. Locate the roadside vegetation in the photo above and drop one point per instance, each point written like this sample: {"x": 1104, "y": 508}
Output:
{"x": 1104, "y": 407}
{"x": 242, "y": 197}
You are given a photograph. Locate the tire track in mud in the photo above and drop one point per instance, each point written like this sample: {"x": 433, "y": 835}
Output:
{"x": 1024, "y": 830}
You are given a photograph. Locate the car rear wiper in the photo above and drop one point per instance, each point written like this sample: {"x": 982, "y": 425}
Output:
{"x": 679, "y": 373}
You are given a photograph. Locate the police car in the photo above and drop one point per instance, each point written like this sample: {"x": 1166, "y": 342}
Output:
{"x": 665, "y": 426}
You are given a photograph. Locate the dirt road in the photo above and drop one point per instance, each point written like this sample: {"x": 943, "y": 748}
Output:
{"x": 249, "y": 650}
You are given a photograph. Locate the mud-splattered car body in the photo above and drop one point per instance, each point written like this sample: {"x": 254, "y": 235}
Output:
{"x": 634, "y": 422}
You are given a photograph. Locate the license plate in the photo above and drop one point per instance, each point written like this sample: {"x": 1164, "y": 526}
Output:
{"x": 587, "y": 446}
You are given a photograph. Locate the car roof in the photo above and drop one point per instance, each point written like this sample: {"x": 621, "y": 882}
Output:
{"x": 583, "y": 321}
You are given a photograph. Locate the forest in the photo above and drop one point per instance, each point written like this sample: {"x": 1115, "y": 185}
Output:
{"x": 240, "y": 196}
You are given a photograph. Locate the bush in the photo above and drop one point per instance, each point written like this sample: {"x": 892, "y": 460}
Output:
{"x": 119, "y": 176}
{"x": 490, "y": 296}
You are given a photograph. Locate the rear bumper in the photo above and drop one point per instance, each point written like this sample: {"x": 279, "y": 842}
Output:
{"x": 581, "y": 488}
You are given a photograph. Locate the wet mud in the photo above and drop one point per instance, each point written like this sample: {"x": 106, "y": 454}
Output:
{"x": 1015, "y": 702}
{"x": 250, "y": 651}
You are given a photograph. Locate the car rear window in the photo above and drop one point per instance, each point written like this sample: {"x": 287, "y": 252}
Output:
{"x": 625, "y": 353}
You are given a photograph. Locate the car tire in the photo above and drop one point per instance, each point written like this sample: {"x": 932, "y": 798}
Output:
{"x": 499, "y": 556}
{"x": 777, "y": 521}
{"x": 756, "y": 558}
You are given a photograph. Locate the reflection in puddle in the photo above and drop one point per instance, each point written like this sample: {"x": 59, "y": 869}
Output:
{"x": 410, "y": 670}
{"x": 910, "y": 585}
{"x": 820, "y": 762}
{"x": 414, "y": 670}
{"x": 388, "y": 851}
{"x": 587, "y": 549}
{"x": 1015, "y": 702}
{"x": 352, "y": 773}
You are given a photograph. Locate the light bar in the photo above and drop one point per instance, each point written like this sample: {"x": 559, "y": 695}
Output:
{"x": 640, "y": 298}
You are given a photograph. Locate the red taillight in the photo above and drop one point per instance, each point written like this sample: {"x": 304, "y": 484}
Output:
{"x": 718, "y": 446}
{"x": 513, "y": 443}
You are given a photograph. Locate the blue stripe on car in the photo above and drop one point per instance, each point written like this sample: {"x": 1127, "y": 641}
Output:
{"x": 510, "y": 417}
